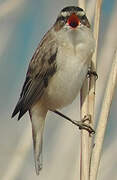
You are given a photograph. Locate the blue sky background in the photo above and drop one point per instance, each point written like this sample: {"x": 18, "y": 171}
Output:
{"x": 22, "y": 25}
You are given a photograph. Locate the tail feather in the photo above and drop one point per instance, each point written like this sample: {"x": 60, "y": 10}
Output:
{"x": 38, "y": 122}
{"x": 38, "y": 143}
{"x": 19, "y": 109}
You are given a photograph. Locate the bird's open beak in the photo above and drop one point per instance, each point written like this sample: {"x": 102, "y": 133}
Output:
{"x": 73, "y": 21}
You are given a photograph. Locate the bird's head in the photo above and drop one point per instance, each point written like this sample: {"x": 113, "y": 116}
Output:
{"x": 71, "y": 18}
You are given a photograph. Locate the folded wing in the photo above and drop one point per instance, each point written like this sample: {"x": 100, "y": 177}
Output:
{"x": 41, "y": 68}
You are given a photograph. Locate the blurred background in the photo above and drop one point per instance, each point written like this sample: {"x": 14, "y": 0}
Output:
{"x": 22, "y": 25}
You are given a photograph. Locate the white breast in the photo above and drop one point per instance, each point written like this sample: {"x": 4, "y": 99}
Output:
{"x": 72, "y": 66}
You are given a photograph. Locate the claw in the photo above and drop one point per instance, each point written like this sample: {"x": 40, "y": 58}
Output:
{"x": 85, "y": 126}
{"x": 87, "y": 118}
{"x": 90, "y": 73}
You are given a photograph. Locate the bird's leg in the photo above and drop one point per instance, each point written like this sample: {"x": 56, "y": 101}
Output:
{"x": 80, "y": 124}
{"x": 91, "y": 73}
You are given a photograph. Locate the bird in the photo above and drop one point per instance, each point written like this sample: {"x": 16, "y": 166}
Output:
{"x": 56, "y": 72}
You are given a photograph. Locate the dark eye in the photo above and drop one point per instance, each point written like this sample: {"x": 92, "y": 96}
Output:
{"x": 60, "y": 22}
{"x": 85, "y": 21}
{"x": 83, "y": 17}
{"x": 61, "y": 18}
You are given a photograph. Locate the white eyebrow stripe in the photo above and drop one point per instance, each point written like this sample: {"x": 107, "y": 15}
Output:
{"x": 81, "y": 13}
{"x": 64, "y": 14}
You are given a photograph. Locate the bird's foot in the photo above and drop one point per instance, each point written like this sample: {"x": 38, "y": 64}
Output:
{"x": 82, "y": 125}
{"x": 92, "y": 73}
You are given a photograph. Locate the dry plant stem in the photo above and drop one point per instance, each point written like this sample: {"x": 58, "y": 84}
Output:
{"x": 93, "y": 62}
{"x": 92, "y": 85}
{"x": 103, "y": 120}
{"x": 84, "y": 164}
{"x": 81, "y": 3}
{"x": 87, "y": 104}
{"x": 84, "y": 161}
{"x": 90, "y": 9}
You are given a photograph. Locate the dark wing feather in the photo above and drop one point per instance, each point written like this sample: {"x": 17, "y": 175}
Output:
{"x": 41, "y": 68}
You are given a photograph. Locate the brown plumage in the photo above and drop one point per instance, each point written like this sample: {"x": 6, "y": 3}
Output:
{"x": 41, "y": 68}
